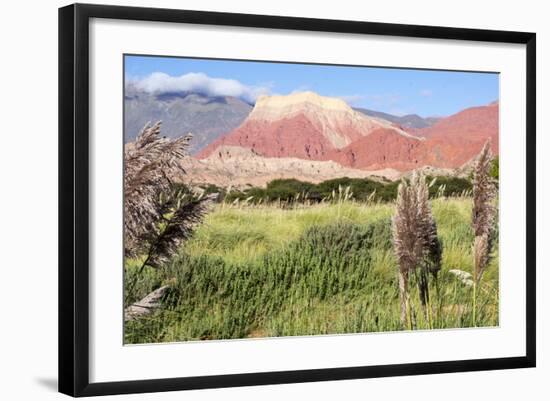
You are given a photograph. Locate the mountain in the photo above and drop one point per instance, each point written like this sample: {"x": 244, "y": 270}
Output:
{"x": 455, "y": 140}
{"x": 282, "y": 134}
{"x": 470, "y": 125}
{"x": 407, "y": 121}
{"x": 449, "y": 143}
{"x": 302, "y": 125}
{"x": 382, "y": 149}
{"x": 206, "y": 117}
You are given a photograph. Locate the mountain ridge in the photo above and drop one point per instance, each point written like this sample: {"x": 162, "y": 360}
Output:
{"x": 206, "y": 117}
{"x": 405, "y": 121}
{"x": 304, "y": 125}
{"x": 311, "y": 136}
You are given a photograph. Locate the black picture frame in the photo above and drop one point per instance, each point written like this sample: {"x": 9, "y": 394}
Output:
{"x": 74, "y": 198}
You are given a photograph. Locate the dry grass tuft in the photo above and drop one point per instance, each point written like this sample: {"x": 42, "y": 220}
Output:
{"x": 483, "y": 212}
{"x": 157, "y": 218}
{"x": 149, "y": 162}
{"x": 415, "y": 241}
{"x": 177, "y": 224}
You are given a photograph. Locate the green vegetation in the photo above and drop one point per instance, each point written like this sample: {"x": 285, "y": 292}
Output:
{"x": 297, "y": 258}
{"x": 361, "y": 189}
{"x": 494, "y": 169}
{"x": 256, "y": 270}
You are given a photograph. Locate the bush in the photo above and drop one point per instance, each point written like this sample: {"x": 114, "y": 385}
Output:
{"x": 452, "y": 186}
{"x": 388, "y": 192}
{"x": 362, "y": 189}
{"x": 287, "y": 189}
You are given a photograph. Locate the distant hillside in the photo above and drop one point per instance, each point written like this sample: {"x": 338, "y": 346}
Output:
{"x": 407, "y": 121}
{"x": 206, "y": 117}
{"x": 282, "y": 130}
{"x": 474, "y": 123}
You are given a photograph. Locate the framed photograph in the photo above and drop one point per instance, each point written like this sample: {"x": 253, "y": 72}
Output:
{"x": 250, "y": 199}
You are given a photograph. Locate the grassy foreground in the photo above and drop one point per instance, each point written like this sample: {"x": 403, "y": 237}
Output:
{"x": 257, "y": 271}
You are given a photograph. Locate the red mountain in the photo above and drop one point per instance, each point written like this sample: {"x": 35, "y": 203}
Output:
{"x": 308, "y": 126}
{"x": 302, "y": 125}
{"x": 472, "y": 124}
{"x": 381, "y": 149}
{"x": 294, "y": 136}
{"x": 454, "y": 140}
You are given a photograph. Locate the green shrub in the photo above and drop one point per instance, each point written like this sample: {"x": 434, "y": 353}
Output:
{"x": 452, "y": 186}
{"x": 361, "y": 188}
{"x": 287, "y": 189}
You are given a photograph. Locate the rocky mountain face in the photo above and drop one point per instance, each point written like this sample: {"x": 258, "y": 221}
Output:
{"x": 240, "y": 167}
{"x": 449, "y": 143}
{"x": 470, "y": 125}
{"x": 206, "y": 117}
{"x": 381, "y": 149}
{"x": 303, "y": 125}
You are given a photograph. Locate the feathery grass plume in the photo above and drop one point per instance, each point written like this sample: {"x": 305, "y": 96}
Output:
{"x": 483, "y": 219}
{"x": 429, "y": 247}
{"x": 484, "y": 211}
{"x": 157, "y": 217}
{"x": 148, "y": 164}
{"x": 180, "y": 216}
{"x": 404, "y": 240}
{"x": 415, "y": 241}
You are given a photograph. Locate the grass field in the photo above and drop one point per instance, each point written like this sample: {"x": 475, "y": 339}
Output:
{"x": 264, "y": 270}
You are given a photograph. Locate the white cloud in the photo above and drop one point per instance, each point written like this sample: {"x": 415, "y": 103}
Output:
{"x": 301, "y": 88}
{"x": 426, "y": 92}
{"x": 159, "y": 83}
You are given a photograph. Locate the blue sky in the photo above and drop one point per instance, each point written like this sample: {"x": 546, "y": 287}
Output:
{"x": 396, "y": 91}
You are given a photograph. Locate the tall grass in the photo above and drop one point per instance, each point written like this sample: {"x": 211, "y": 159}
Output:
{"x": 483, "y": 217}
{"x": 261, "y": 270}
{"x": 416, "y": 244}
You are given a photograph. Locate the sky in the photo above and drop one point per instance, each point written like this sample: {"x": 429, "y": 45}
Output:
{"x": 428, "y": 93}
